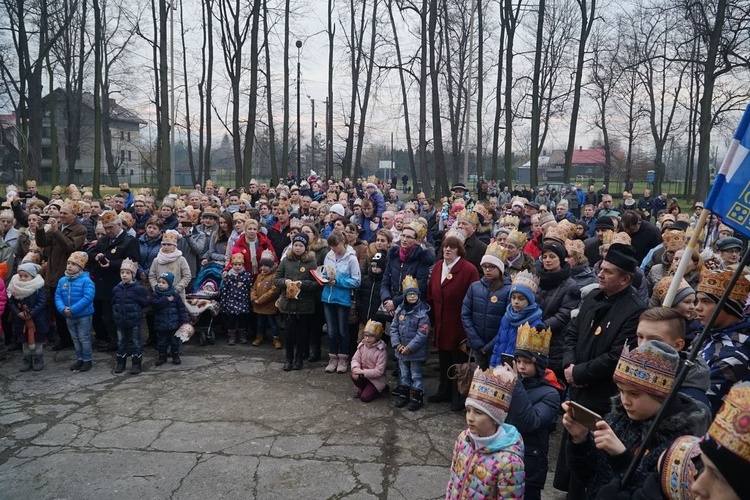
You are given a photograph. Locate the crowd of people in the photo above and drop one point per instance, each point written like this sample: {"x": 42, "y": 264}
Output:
{"x": 557, "y": 297}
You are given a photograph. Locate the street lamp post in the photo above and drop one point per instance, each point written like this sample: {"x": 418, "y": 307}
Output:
{"x": 299, "y": 128}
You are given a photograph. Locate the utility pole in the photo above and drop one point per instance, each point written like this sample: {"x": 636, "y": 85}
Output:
{"x": 312, "y": 138}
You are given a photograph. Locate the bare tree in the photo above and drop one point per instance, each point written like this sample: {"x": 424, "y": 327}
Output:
{"x": 269, "y": 104}
{"x": 438, "y": 155}
{"x": 364, "y": 94}
{"x": 510, "y": 14}
{"x": 247, "y": 165}
{"x": 205, "y": 91}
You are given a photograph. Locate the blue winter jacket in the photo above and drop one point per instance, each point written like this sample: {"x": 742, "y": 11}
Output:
{"x": 505, "y": 342}
{"x": 37, "y": 304}
{"x": 128, "y": 301}
{"x": 418, "y": 265}
{"x": 149, "y": 248}
{"x": 411, "y": 328}
{"x": 348, "y": 277}
{"x": 169, "y": 314}
{"x": 482, "y": 312}
{"x": 77, "y": 294}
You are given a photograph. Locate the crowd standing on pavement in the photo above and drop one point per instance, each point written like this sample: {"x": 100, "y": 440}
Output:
{"x": 557, "y": 297}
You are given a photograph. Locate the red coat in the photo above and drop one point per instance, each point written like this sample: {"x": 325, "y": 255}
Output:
{"x": 241, "y": 247}
{"x": 445, "y": 301}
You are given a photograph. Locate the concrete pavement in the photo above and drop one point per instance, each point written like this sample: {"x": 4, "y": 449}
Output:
{"x": 227, "y": 423}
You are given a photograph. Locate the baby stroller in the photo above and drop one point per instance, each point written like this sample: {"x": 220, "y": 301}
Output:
{"x": 203, "y": 304}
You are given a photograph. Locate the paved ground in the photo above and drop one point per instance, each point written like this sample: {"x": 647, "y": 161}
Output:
{"x": 227, "y": 423}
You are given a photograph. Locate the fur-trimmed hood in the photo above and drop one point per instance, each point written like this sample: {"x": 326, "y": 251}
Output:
{"x": 685, "y": 416}
{"x": 316, "y": 245}
{"x": 308, "y": 256}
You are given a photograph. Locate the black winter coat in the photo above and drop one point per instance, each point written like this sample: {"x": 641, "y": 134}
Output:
{"x": 170, "y": 314}
{"x": 115, "y": 251}
{"x": 557, "y": 296}
{"x": 368, "y": 296}
{"x": 417, "y": 264}
{"x": 128, "y": 301}
{"x": 37, "y": 304}
{"x": 594, "y": 341}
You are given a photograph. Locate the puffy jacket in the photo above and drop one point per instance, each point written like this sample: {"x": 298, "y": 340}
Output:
{"x": 37, "y": 304}
{"x": 533, "y": 411}
{"x": 417, "y": 264}
{"x": 482, "y": 312}
{"x": 297, "y": 269}
{"x": 77, "y": 294}
{"x": 368, "y": 296}
{"x": 241, "y": 246}
{"x": 491, "y": 472}
{"x": 348, "y": 277}
{"x": 583, "y": 275}
{"x": 505, "y": 342}
{"x": 372, "y": 361}
{"x": 235, "y": 292}
{"x": 128, "y": 301}
{"x": 149, "y": 248}
{"x": 557, "y": 297}
{"x": 411, "y": 328}
{"x": 169, "y": 314}
{"x": 179, "y": 267}
{"x": 264, "y": 294}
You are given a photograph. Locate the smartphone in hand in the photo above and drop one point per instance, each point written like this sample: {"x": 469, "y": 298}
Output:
{"x": 584, "y": 416}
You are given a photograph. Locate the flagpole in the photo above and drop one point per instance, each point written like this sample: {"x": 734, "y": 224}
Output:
{"x": 683, "y": 371}
{"x": 685, "y": 260}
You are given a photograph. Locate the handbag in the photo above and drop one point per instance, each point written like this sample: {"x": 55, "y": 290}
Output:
{"x": 382, "y": 315}
{"x": 462, "y": 373}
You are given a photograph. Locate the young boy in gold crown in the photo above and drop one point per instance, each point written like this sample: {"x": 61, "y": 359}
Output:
{"x": 644, "y": 377}
{"x": 536, "y": 400}
{"x": 488, "y": 456}
{"x": 368, "y": 363}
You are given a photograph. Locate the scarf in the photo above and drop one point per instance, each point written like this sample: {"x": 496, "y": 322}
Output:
{"x": 167, "y": 258}
{"x": 18, "y": 289}
{"x": 73, "y": 275}
{"x": 404, "y": 254}
{"x": 549, "y": 280}
{"x": 164, "y": 293}
{"x": 531, "y": 314}
{"x": 252, "y": 247}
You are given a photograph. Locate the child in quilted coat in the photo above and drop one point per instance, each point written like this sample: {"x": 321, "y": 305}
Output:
{"x": 368, "y": 364}
{"x": 488, "y": 456}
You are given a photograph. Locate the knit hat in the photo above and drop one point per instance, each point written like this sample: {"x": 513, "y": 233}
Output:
{"x": 378, "y": 260}
{"x": 80, "y": 259}
{"x": 651, "y": 367}
{"x": 338, "y": 208}
{"x": 604, "y": 223}
{"x": 495, "y": 255}
{"x": 129, "y": 265}
{"x": 558, "y": 249}
{"x": 490, "y": 392}
{"x": 662, "y": 287}
{"x": 374, "y": 327}
{"x": 727, "y": 443}
{"x": 713, "y": 284}
{"x": 525, "y": 283}
{"x": 410, "y": 285}
{"x": 622, "y": 256}
{"x": 168, "y": 277}
{"x": 31, "y": 269}
{"x": 301, "y": 238}
{"x": 267, "y": 258}
{"x": 678, "y": 470}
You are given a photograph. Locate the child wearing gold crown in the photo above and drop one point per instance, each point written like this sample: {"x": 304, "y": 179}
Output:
{"x": 522, "y": 308}
{"x": 235, "y": 297}
{"x": 410, "y": 331}
{"x": 644, "y": 377}
{"x": 536, "y": 401}
{"x": 263, "y": 297}
{"x": 368, "y": 363}
{"x": 488, "y": 456}
{"x": 128, "y": 300}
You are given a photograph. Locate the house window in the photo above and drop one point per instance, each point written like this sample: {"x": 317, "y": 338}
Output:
{"x": 122, "y": 155}
{"x": 46, "y": 153}
{"x": 128, "y": 136}
{"x": 46, "y": 132}
{"x": 130, "y": 156}
{"x": 122, "y": 135}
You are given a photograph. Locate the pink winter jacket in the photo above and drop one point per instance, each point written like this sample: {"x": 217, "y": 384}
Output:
{"x": 372, "y": 360}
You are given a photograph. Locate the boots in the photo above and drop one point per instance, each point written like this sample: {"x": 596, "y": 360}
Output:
{"x": 135, "y": 367}
{"x": 297, "y": 360}
{"x": 276, "y": 343}
{"x": 76, "y": 366}
{"x": 161, "y": 359}
{"x": 232, "y": 334}
{"x": 287, "y": 364}
{"x": 314, "y": 353}
{"x": 258, "y": 340}
{"x": 416, "y": 400}
{"x": 38, "y": 359}
{"x": 86, "y": 366}
{"x": 244, "y": 336}
{"x": 26, "y": 361}
{"x": 402, "y": 393}
{"x": 120, "y": 366}
{"x": 176, "y": 358}
{"x": 343, "y": 364}
{"x": 333, "y": 362}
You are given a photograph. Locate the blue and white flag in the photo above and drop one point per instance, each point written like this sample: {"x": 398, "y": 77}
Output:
{"x": 730, "y": 195}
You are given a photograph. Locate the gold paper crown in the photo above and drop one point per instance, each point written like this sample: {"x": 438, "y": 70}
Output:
{"x": 409, "y": 283}
{"x": 526, "y": 280}
{"x": 683, "y": 217}
{"x": 174, "y": 190}
{"x": 547, "y": 218}
{"x": 107, "y": 217}
{"x": 569, "y": 227}
{"x": 419, "y": 229}
{"x": 124, "y": 186}
{"x": 621, "y": 237}
{"x": 533, "y": 340}
{"x": 673, "y": 240}
{"x": 689, "y": 234}
{"x": 455, "y": 233}
{"x": 575, "y": 247}
{"x": 557, "y": 233}
{"x": 510, "y": 220}
{"x": 724, "y": 227}
{"x": 490, "y": 391}
{"x": 495, "y": 249}
{"x": 210, "y": 183}
{"x": 715, "y": 282}
{"x": 517, "y": 238}
{"x": 170, "y": 236}
{"x": 375, "y": 327}
{"x": 237, "y": 258}
{"x": 662, "y": 287}
{"x": 607, "y": 237}
{"x": 648, "y": 368}
{"x": 129, "y": 265}
{"x": 126, "y": 219}
{"x": 731, "y": 427}
{"x": 30, "y": 184}
{"x": 467, "y": 215}
{"x": 57, "y": 189}
{"x": 481, "y": 210}
{"x": 679, "y": 470}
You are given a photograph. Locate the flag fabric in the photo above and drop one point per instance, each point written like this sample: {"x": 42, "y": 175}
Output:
{"x": 730, "y": 195}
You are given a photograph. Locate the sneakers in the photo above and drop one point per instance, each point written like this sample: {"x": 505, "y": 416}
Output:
{"x": 86, "y": 366}
{"x": 258, "y": 340}
{"x": 333, "y": 363}
{"x": 277, "y": 343}
{"x": 343, "y": 364}
{"x": 76, "y": 366}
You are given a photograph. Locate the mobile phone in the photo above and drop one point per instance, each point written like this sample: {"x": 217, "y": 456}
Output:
{"x": 584, "y": 416}
{"x": 186, "y": 224}
{"x": 507, "y": 359}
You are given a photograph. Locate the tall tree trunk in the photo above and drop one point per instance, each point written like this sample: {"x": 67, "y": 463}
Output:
{"x": 498, "y": 106}
{"x": 209, "y": 90}
{"x": 269, "y": 103}
{"x": 247, "y": 170}
{"x": 329, "y": 101}
{"x": 52, "y": 107}
{"x": 188, "y": 119}
{"x": 98, "y": 67}
{"x": 285, "y": 131}
{"x": 423, "y": 167}
{"x": 511, "y": 20}
{"x": 355, "y": 55}
{"x": 438, "y": 155}
{"x": 164, "y": 173}
{"x": 480, "y": 90}
{"x": 455, "y": 97}
{"x": 536, "y": 97}
{"x": 370, "y": 62}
